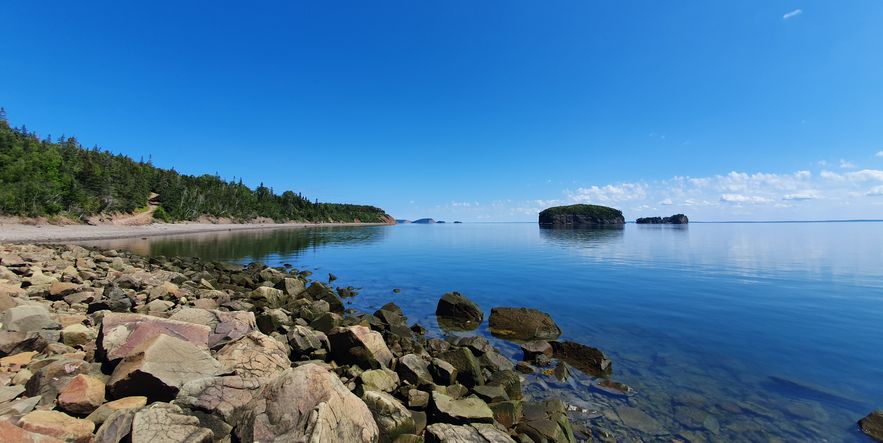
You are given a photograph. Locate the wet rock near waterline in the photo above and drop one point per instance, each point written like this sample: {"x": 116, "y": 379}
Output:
{"x": 872, "y": 425}
{"x": 522, "y": 324}
{"x": 585, "y": 358}
{"x": 457, "y": 312}
{"x": 206, "y": 338}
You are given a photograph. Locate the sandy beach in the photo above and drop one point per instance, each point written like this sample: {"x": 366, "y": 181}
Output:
{"x": 47, "y": 233}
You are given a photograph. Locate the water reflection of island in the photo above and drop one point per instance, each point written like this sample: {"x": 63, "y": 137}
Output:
{"x": 240, "y": 246}
{"x": 582, "y": 236}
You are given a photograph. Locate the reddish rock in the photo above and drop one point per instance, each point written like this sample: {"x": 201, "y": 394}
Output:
{"x": 13, "y": 434}
{"x": 58, "y": 425}
{"x": 122, "y": 333}
{"x": 126, "y": 403}
{"x": 82, "y": 395}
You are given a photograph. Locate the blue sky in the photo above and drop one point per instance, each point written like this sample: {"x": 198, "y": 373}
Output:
{"x": 740, "y": 110}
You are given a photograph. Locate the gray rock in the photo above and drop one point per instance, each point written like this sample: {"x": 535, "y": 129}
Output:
{"x": 471, "y": 433}
{"x": 546, "y": 421}
{"x": 27, "y": 318}
{"x": 305, "y": 341}
{"x": 468, "y": 370}
{"x": 414, "y": 369}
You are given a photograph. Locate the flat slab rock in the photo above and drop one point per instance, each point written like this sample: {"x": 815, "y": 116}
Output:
{"x": 167, "y": 423}
{"x": 307, "y": 403}
{"x": 471, "y": 433}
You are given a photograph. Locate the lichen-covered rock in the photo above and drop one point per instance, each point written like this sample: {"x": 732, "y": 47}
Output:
{"x": 360, "y": 346}
{"x": 220, "y": 395}
{"x": 167, "y": 423}
{"x": 471, "y": 433}
{"x": 392, "y": 418}
{"x": 522, "y": 324}
{"x": 122, "y": 333}
{"x": 225, "y": 326}
{"x": 159, "y": 367}
{"x": 116, "y": 428}
{"x": 459, "y": 411}
{"x": 254, "y": 355}
{"x": 307, "y": 403}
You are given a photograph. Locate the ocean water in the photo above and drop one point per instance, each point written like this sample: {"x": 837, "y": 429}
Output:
{"x": 725, "y": 332}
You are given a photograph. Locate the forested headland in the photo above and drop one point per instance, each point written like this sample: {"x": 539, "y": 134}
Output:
{"x": 61, "y": 178}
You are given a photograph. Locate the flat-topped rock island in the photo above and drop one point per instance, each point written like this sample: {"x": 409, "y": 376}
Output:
{"x": 580, "y": 216}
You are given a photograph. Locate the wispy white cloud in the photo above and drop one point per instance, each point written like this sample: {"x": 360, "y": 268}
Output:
{"x": 801, "y": 196}
{"x": 792, "y": 14}
{"x": 846, "y": 164}
{"x": 740, "y": 198}
{"x": 879, "y": 153}
{"x": 876, "y": 191}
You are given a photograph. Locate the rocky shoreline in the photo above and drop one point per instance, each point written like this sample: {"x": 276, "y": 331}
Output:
{"x": 108, "y": 346}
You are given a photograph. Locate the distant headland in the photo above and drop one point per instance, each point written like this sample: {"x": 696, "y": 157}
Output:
{"x": 424, "y": 221}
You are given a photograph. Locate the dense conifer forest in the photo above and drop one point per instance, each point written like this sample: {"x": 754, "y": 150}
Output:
{"x": 42, "y": 177}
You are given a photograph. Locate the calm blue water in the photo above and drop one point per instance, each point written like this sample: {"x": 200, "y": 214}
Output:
{"x": 727, "y": 332}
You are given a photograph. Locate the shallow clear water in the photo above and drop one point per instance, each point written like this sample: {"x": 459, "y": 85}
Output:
{"x": 727, "y": 332}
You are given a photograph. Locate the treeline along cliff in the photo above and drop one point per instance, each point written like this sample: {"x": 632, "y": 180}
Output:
{"x": 42, "y": 177}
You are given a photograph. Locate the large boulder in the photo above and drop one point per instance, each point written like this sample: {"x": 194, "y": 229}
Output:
{"x": 359, "y": 345}
{"x": 219, "y": 395}
{"x": 455, "y": 311}
{"x": 159, "y": 367}
{"x": 122, "y": 333}
{"x": 471, "y": 433}
{"x": 12, "y": 343}
{"x": 51, "y": 378}
{"x": 585, "y": 358}
{"x": 522, "y": 324}
{"x": 392, "y": 418}
{"x": 254, "y": 355}
{"x": 872, "y": 425}
{"x": 307, "y": 403}
{"x": 167, "y": 423}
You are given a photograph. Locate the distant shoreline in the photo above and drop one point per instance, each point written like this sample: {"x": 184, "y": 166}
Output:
{"x": 47, "y": 233}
